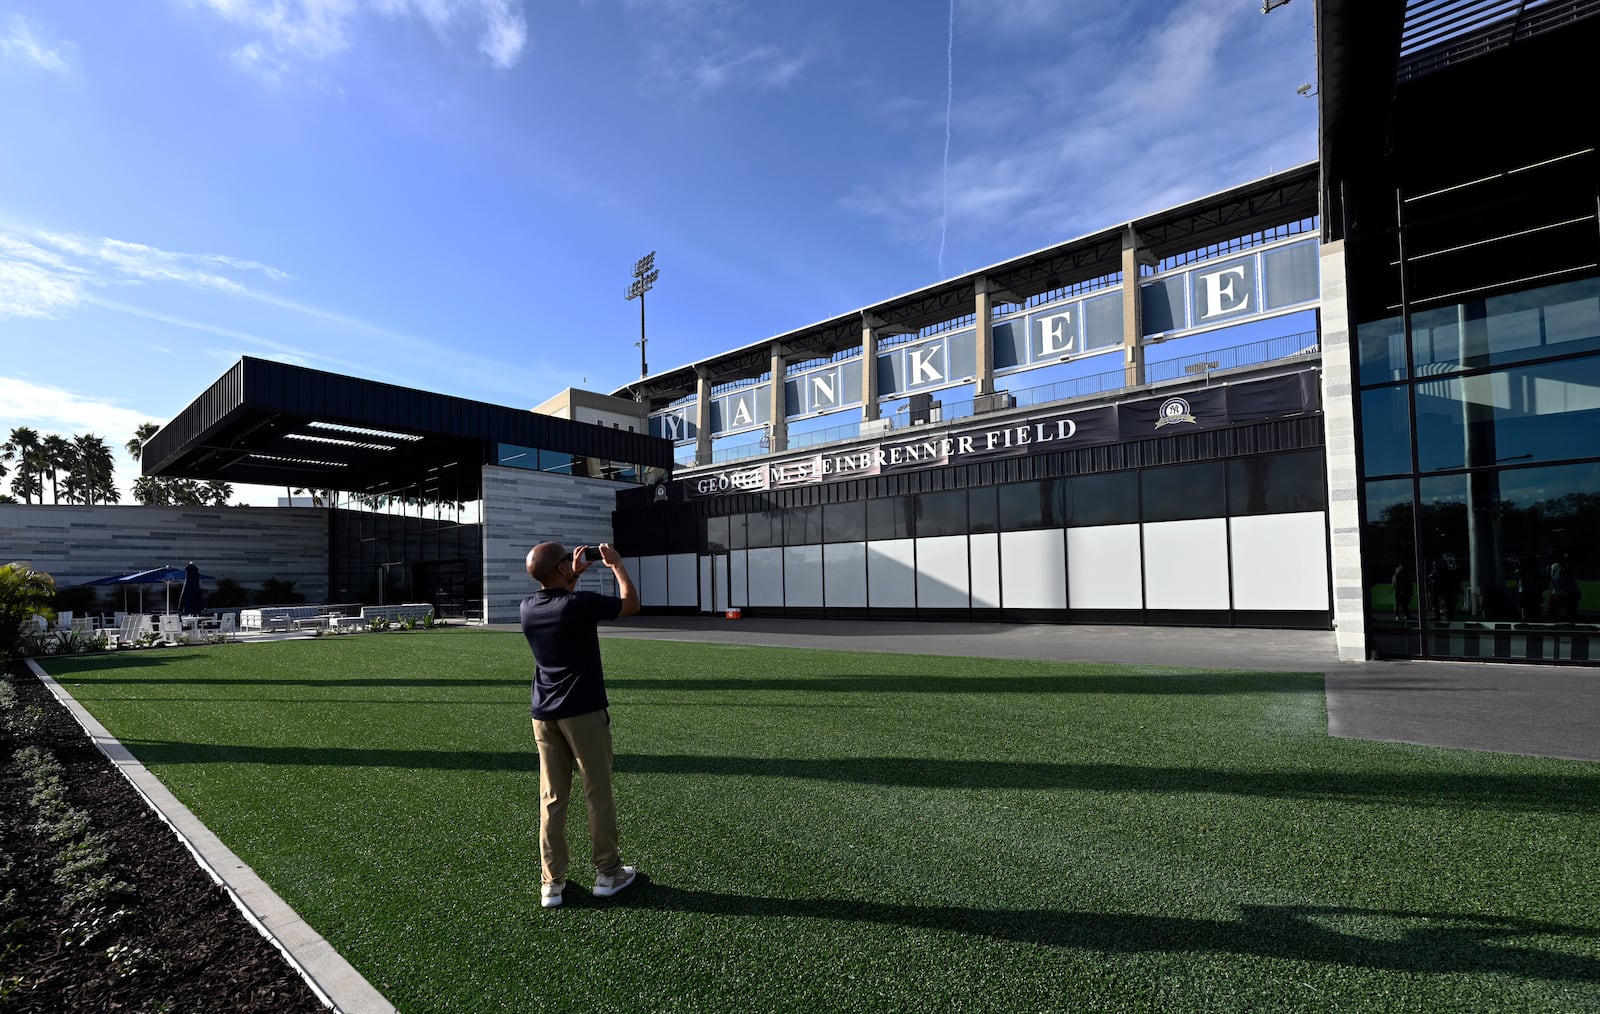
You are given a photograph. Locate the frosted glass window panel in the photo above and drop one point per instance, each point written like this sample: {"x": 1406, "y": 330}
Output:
{"x": 802, "y": 576}
{"x": 653, "y": 590}
{"x": 844, "y": 574}
{"x": 1186, "y": 564}
{"x": 1032, "y": 571}
{"x": 635, "y": 571}
{"x": 892, "y": 574}
{"x": 942, "y": 573}
{"x": 739, "y": 578}
{"x": 1104, "y": 570}
{"x": 766, "y": 576}
{"x": 720, "y": 578}
{"x": 1280, "y": 561}
{"x": 984, "y": 551}
{"x": 683, "y": 580}
{"x": 706, "y": 589}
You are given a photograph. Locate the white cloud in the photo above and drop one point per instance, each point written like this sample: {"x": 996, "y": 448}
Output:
{"x": 45, "y": 273}
{"x": 699, "y": 47}
{"x": 31, "y": 290}
{"x": 1133, "y": 116}
{"x": 20, "y": 44}
{"x": 289, "y": 33}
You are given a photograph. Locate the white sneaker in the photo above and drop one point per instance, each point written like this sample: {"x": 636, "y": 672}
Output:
{"x": 605, "y": 887}
{"x": 550, "y": 895}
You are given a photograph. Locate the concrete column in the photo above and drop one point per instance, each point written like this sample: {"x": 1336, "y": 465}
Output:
{"x": 780, "y": 424}
{"x": 702, "y": 430}
{"x": 1338, "y": 418}
{"x": 1132, "y": 311}
{"x": 983, "y": 379}
{"x": 869, "y": 367}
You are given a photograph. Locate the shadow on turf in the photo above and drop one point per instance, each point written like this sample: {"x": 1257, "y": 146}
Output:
{"x": 1545, "y": 793}
{"x": 1427, "y": 942}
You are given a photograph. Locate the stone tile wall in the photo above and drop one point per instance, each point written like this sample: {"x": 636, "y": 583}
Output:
{"x": 75, "y": 544}
{"x": 522, "y": 508}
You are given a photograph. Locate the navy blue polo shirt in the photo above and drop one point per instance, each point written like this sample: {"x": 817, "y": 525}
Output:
{"x": 560, "y": 628}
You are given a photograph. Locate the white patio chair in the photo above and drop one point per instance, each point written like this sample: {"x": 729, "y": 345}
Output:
{"x": 229, "y": 628}
{"x": 172, "y": 631}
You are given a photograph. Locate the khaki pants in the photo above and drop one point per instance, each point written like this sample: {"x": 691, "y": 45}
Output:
{"x": 584, "y": 741}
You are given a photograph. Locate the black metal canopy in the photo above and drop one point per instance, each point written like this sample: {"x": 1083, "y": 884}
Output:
{"x": 1280, "y": 199}
{"x": 273, "y": 424}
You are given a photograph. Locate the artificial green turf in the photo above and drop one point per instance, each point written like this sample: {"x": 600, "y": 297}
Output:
{"x": 840, "y": 831}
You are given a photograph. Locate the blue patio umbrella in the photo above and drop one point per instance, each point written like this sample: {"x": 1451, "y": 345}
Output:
{"x": 118, "y": 579}
{"x": 160, "y": 575}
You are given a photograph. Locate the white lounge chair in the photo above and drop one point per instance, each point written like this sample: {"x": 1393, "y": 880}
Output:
{"x": 228, "y": 628}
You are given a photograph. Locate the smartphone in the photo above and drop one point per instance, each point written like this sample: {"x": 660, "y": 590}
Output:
{"x": 591, "y": 554}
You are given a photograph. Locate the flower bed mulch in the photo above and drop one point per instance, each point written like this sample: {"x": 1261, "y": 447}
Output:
{"x": 166, "y": 938}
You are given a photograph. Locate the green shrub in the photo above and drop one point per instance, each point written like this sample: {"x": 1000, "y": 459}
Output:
{"x": 278, "y": 593}
{"x": 228, "y": 594}
{"x": 78, "y": 599}
{"x": 23, "y": 592}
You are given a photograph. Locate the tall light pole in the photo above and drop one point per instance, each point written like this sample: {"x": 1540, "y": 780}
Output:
{"x": 644, "y": 276}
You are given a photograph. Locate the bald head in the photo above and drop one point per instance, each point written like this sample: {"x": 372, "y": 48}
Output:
{"x": 544, "y": 564}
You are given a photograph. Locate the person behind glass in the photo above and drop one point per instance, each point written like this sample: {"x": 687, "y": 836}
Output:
{"x": 1403, "y": 589}
{"x": 1564, "y": 591}
{"x": 571, "y": 716}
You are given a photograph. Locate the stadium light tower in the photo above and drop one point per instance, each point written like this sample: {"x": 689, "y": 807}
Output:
{"x": 644, "y": 276}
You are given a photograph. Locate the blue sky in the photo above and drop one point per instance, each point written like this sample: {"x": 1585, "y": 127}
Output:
{"x": 450, "y": 194}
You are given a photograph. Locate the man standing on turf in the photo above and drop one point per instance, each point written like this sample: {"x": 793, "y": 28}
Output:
{"x": 571, "y": 723}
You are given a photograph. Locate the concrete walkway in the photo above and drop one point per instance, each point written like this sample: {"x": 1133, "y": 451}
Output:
{"x": 1546, "y": 711}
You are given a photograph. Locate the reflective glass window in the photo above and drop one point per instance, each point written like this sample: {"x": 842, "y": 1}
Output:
{"x": 1382, "y": 346}
{"x": 759, "y": 530}
{"x": 1024, "y": 506}
{"x": 1390, "y": 559}
{"x": 941, "y": 513}
{"x": 1108, "y": 499}
{"x": 845, "y": 522}
{"x": 1550, "y": 321}
{"x": 738, "y": 529}
{"x": 802, "y": 526}
{"x": 981, "y": 510}
{"x": 1543, "y": 412}
{"x": 716, "y": 530}
{"x": 1182, "y": 492}
{"x": 1385, "y": 431}
{"x": 1276, "y": 484}
{"x": 889, "y": 518}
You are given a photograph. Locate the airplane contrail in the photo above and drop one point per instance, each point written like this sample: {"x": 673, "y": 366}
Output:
{"x": 949, "y": 98}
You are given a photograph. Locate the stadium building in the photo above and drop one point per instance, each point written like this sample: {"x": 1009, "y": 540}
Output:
{"x": 1360, "y": 393}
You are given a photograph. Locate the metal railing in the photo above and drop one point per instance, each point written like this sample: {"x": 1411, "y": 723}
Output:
{"x": 1186, "y": 367}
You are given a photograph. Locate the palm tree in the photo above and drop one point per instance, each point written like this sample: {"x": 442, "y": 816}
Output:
{"x": 216, "y": 492}
{"x": 97, "y": 470}
{"x": 148, "y": 490}
{"x": 59, "y": 456}
{"x": 140, "y": 435}
{"x": 151, "y": 492}
{"x": 185, "y": 492}
{"x": 24, "y": 448}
